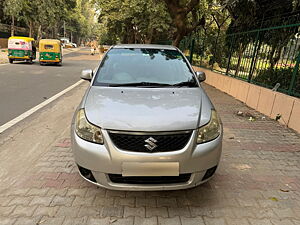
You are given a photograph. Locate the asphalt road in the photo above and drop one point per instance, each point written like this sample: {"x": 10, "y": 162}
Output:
{"x": 23, "y": 86}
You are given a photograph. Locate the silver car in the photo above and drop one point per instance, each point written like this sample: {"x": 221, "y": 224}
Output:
{"x": 145, "y": 122}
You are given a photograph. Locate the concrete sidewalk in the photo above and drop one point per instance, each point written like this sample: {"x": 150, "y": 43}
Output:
{"x": 3, "y": 56}
{"x": 257, "y": 182}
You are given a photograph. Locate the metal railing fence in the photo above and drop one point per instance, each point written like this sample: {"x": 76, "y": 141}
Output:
{"x": 268, "y": 57}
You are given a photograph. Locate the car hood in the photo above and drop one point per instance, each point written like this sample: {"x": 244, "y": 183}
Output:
{"x": 144, "y": 109}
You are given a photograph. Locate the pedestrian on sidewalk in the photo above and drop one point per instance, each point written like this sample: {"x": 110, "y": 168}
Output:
{"x": 93, "y": 50}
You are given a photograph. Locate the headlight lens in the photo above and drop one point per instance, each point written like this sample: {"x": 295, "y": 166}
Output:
{"x": 211, "y": 130}
{"x": 87, "y": 131}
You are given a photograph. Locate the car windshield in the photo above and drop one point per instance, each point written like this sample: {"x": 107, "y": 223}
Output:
{"x": 141, "y": 67}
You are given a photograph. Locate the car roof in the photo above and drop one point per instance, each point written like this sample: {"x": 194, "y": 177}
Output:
{"x": 150, "y": 46}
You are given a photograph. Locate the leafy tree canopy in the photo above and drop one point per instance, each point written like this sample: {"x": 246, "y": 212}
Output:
{"x": 133, "y": 21}
{"x": 46, "y": 18}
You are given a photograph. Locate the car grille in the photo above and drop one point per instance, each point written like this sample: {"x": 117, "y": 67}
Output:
{"x": 118, "y": 178}
{"x": 158, "y": 142}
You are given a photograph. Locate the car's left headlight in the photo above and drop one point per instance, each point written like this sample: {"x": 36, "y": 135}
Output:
{"x": 211, "y": 130}
{"x": 86, "y": 130}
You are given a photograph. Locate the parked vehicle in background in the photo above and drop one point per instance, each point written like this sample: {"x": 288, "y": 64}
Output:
{"x": 145, "y": 122}
{"x": 50, "y": 51}
{"x": 68, "y": 45}
{"x": 103, "y": 48}
{"x": 74, "y": 45}
{"x": 21, "y": 49}
{"x": 93, "y": 50}
{"x": 64, "y": 41}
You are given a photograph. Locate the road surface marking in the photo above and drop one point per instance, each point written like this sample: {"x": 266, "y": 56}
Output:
{"x": 36, "y": 108}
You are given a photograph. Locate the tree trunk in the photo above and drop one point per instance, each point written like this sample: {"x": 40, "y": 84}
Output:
{"x": 253, "y": 69}
{"x": 277, "y": 56}
{"x": 124, "y": 39}
{"x": 180, "y": 14}
{"x": 271, "y": 60}
{"x": 148, "y": 41}
{"x": 131, "y": 38}
{"x": 55, "y": 31}
{"x": 149, "y": 37}
{"x": 12, "y": 26}
{"x": 39, "y": 36}
{"x": 181, "y": 28}
{"x": 131, "y": 35}
{"x": 52, "y": 33}
{"x": 237, "y": 70}
{"x": 128, "y": 34}
{"x": 30, "y": 28}
{"x": 215, "y": 57}
{"x": 177, "y": 39}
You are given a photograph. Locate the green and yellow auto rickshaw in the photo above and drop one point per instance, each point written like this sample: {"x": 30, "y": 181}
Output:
{"x": 50, "y": 51}
{"x": 21, "y": 49}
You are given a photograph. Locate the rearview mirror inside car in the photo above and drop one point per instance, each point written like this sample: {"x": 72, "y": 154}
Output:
{"x": 87, "y": 74}
{"x": 201, "y": 76}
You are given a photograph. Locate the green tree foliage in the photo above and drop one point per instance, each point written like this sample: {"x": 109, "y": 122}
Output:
{"x": 186, "y": 17}
{"x": 2, "y": 15}
{"x": 270, "y": 77}
{"x": 152, "y": 21}
{"x": 256, "y": 14}
{"x": 13, "y": 7}
{"x": 214, "y": 31}
{"x": 45, "y": 18}
{"x": 132, "y": 21}
{"x": 81, "y": 20}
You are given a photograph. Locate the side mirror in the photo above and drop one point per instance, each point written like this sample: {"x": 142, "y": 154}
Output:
{"x": 87, "y": 74}
{"x": 201, "y": 76}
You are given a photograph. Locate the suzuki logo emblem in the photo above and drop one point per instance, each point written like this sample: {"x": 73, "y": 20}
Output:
{"x": 150, "y": 143}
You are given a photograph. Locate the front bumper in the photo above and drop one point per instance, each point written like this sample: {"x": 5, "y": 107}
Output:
{"x": 106, "y": 159}
{"x": 50, "y": 60}
{"x": 19, "y": 58}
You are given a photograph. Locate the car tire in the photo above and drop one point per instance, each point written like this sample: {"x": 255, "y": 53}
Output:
{"x": 11, "y": 61}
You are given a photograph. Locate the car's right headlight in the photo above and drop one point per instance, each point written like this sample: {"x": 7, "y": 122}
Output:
{"x": 211, "y": 130}
{"x": 86, "y": 130}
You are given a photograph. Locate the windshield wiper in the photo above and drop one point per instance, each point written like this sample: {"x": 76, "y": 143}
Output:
{"x": 185, "y": 84}
{"x": 152, "y": 84}
{"x": 140, "y": 84}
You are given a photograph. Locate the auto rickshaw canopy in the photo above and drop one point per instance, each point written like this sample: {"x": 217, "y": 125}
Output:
{"x": 50, "y": 45}
{"x": 21, "y": 43}
{"x": 27, "y": 39}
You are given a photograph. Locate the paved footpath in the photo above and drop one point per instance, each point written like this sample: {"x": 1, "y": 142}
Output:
{"x": 257, "y": 182}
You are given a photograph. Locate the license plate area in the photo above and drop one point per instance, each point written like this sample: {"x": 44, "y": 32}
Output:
{"x": 150, "y": 169}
